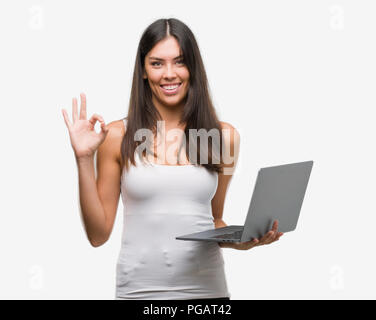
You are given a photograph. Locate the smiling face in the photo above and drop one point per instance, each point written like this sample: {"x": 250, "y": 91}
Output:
{"x": 166, "y": 72}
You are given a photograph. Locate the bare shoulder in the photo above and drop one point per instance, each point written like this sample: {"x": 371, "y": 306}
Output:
{"x": 112, "y": 142}
{"x": 226, "y": 125}
{"x": 234, "y": 134}
{"x": 116, "y": 126}
{"x": 232, "y": 143}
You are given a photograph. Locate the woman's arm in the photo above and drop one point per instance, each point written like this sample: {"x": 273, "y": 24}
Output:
{"x": 99, "y": 197}
{"x": 233, "y": 142}
{"x": 231, "y": 145}
{"x": 92, "y": 213}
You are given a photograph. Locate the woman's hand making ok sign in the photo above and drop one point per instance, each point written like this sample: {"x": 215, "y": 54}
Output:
{"x": 84, "y": 139}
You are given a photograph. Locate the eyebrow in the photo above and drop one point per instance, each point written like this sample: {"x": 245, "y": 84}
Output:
{"x": 159, "y": 59}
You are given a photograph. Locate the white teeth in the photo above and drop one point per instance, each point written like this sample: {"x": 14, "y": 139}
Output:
{"x": 170, "y": 87}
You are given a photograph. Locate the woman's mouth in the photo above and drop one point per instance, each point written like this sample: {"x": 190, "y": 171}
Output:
{"x": 170, "y": 89}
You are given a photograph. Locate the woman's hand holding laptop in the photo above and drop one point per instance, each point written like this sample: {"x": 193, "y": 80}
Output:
{"x": 270, "y": 237}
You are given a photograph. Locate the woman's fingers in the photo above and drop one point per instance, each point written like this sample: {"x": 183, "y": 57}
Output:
{"x": 74, "y": 110}
{"x": 83, "y": 107}
{"x": 83, "y": 114}
{"x": 266, "y": 237}
{"x": 280, "y": 234}
{"x": 275, "y": 237}
{"x": 247, "y": 245}
{"x": 104, "y": 127}
{"x": 66, "y": 118}
{"x": 277, "y": 234}
{"x": 96, "y": 117}
{"x": 275, "y": 226}
{"x": 271, "y": 235}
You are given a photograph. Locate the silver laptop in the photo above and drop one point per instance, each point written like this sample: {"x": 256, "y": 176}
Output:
{"x": 278, "y": 195}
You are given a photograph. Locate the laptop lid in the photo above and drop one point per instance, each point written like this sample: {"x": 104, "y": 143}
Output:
{"x": 278, "y": 195}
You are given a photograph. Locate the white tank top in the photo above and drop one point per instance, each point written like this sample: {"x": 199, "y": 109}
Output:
{"x": 160, "y": 203}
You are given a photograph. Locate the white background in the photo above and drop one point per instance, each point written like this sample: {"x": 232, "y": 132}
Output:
{"x": 296, "y": 78}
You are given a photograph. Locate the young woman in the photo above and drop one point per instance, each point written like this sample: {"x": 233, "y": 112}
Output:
{"x": 162, "y": 198}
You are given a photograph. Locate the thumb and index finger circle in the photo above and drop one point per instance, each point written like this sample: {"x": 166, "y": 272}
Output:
{"x": 96, "y": 117}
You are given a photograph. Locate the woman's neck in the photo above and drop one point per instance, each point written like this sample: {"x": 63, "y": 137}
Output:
{"x": 170, "y": 114}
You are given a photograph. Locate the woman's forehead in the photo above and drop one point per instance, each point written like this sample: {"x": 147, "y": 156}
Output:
{"x": 167, "y": 49}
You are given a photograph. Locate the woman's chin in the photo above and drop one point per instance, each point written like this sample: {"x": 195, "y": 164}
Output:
{"x": 171, "y": 101}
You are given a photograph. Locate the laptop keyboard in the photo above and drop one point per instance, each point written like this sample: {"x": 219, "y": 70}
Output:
{"x": 234, "y": 235}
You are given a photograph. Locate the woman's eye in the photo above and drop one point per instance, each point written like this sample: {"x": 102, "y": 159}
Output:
{"x": 158, "y": 63}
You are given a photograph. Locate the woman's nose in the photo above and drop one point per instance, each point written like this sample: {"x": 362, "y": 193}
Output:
{"x": 169, "y": 71}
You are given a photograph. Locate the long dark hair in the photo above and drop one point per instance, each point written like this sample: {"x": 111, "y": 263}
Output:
{"x": 198, "y": 113}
